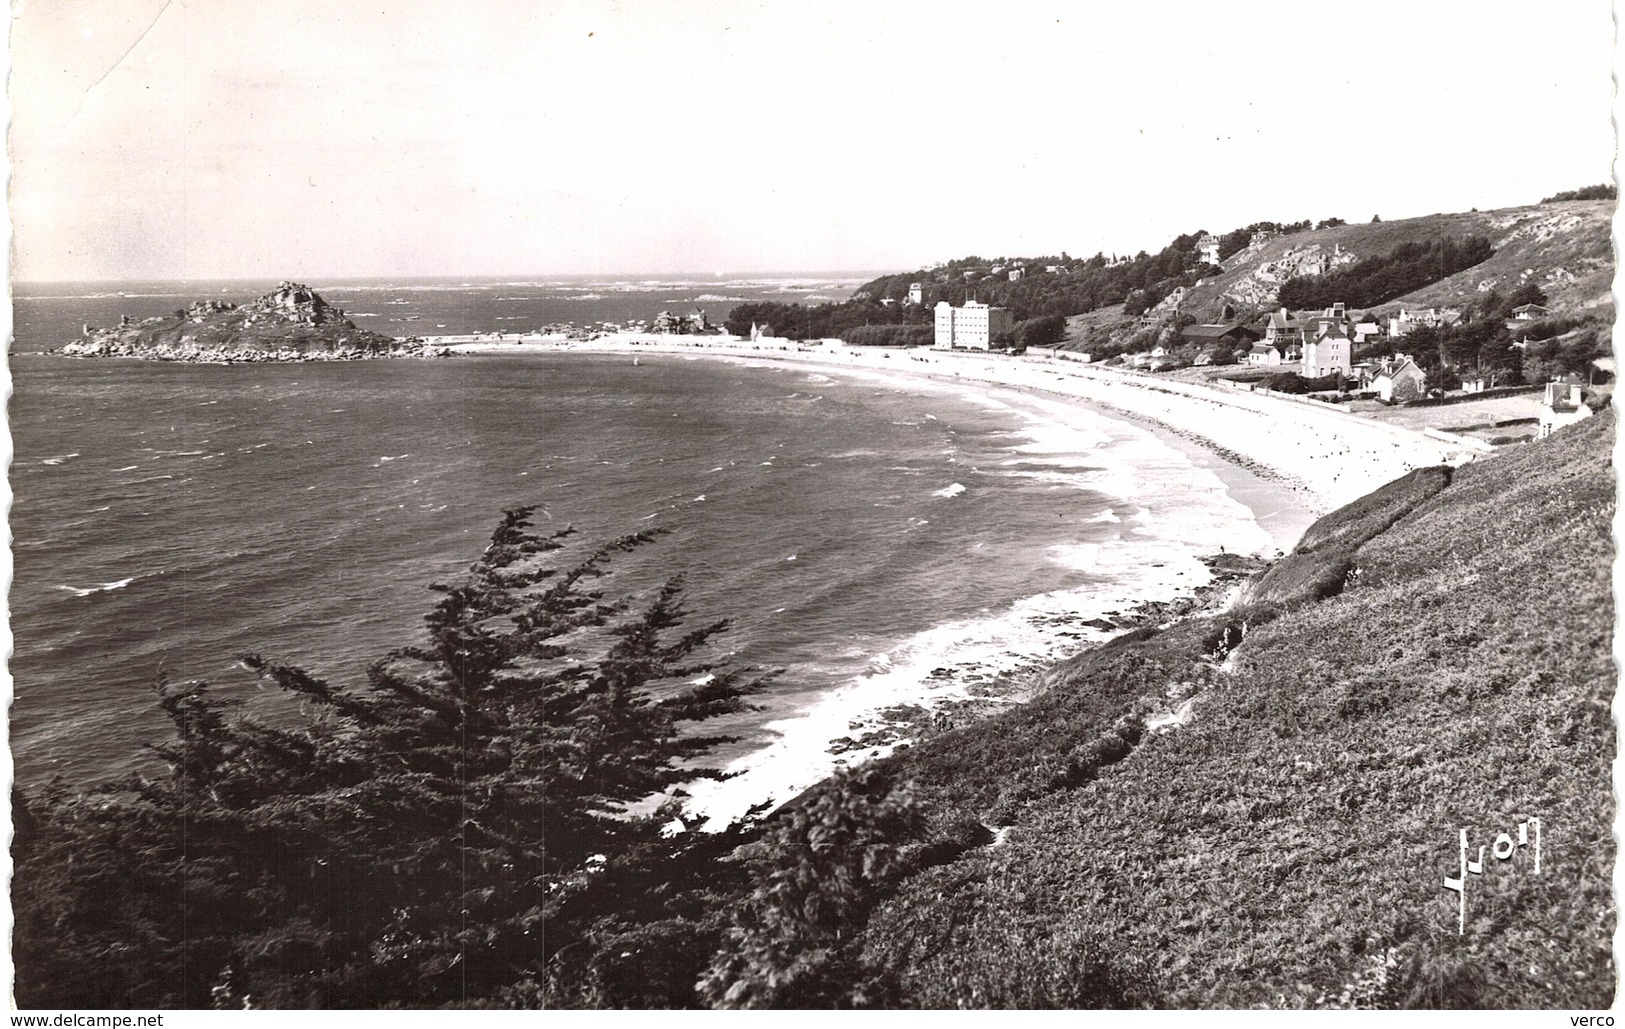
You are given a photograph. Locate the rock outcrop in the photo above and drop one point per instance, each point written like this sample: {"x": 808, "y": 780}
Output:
{"x": 290, "y": 323}
{"x": 1258, "y": 288}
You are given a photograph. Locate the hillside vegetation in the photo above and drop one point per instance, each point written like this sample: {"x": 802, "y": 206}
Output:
{"x": 1432, "y": 658}
{"x": 1564, "y": 247}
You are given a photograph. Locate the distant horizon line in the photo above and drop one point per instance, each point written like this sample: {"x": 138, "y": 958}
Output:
{"x": 634, "y": 276}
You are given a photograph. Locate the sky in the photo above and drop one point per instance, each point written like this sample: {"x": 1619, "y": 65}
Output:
{"x": 311, "y": 139}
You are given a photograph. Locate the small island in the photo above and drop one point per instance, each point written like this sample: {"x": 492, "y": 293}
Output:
{"x": 290, "y": 323}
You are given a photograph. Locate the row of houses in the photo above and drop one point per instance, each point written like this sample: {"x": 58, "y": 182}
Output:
{"x": 1291, "y": 334}
{"x": 1409, "y": 319}
{"x": 1323, "y": 341}
{"x": 1394, "y": 380}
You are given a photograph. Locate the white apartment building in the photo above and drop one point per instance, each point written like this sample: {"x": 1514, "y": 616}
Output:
{"x": 973, "y": 325}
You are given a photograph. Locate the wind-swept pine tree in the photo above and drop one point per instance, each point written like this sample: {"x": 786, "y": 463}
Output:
{"x": 413, "y": 840}
{"x": 816, "y": 874}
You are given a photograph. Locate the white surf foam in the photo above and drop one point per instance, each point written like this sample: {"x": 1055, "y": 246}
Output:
{"x": 1180, "y": 512}
{"x": 105, "y": 587}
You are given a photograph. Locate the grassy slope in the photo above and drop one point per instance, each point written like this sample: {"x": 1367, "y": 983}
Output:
{"x": 1275, "y": 848}
{"x": 1574, "y": 235}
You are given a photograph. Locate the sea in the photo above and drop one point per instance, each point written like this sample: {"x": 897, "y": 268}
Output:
{"x": 883, "y": 543}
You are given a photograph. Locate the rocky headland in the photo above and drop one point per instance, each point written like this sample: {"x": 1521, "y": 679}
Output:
{"x": 290, "y": 323}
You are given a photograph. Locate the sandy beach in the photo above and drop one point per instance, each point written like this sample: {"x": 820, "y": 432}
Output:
{"x": 1284, "y": 462}
{"x": 1276, "y": 454}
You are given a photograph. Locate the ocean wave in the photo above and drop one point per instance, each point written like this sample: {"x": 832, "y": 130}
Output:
{"x": 127, "y": 468}
{"x": 106, "y": 587}
{"x": 949, "y": 491}
{"x": 1053, "y": 477}
{"x": 717, "y": 298}
{"x": 58, "y": 460}
{"x": 952, "y": 661}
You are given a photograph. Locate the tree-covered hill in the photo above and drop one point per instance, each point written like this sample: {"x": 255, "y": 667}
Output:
{"x": 1073, "y": 286}
{"x": 1561, "y": 247}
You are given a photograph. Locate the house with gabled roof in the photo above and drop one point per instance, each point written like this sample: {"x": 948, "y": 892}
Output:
{"x": 1399, "y": 380}
{"x": 1284, "y": 332}
{"x": 1561, "y": 405}
{"x": 1264, "y": 355}
{"x": 1327, "y": 349}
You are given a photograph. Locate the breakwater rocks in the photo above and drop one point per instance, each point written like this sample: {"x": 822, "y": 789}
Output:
{"x": 290, "y": 323}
